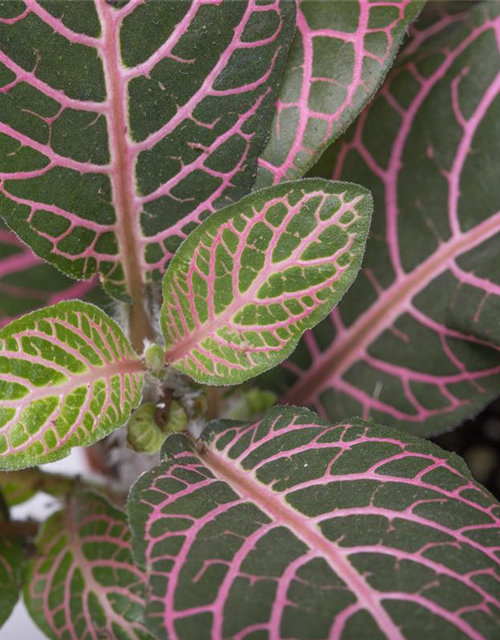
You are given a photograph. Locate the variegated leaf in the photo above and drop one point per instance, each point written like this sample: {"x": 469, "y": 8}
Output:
{"x": 294, "y": 528}
{"x": 250, "y": 280}
{"x": 123, "y": 124}
{"x": 416, "y": 342}
{"x": 82, "y": 583}
{"x": 339, "y": 57}
{"x": 68, "y": 377}
{"x": 27, "y": 283}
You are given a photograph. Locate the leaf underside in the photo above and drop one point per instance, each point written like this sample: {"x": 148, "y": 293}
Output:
{"x": 82, "y": 582}
{"x": 340, "y": 54}
{"x": 416, "y": 341}
{"x": 68, "y": 378}
{"x": 172, "y": 97}
{"x": 294, "y": 528}
{"x": 247, "y": 283}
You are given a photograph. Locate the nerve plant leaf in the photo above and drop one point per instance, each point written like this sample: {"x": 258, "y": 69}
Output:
{"x": 27, "y": 283}
{"x": 339, "y": 57}
{"x": 82, "y": 581}
{"x": 249, "y": 281}
{"x": 68, "y": 377}
{"x": 416, "y": 342}
{"x": 122, "y": 125}
{"x": 11, "y": 565}
{"x": 299, "y": 529}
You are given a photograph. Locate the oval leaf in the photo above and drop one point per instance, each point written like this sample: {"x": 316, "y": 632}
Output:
{"x": 294, "y": 528}
{"x": 248, "y": 282}
{"x": 107, "y": 169}
{"x": 27, "y": 283}
{"x": 82, "y": 581}
{"x": 416, "y": 342}
{"x": 68, "y": 377}
{"x": 341, "y": 52}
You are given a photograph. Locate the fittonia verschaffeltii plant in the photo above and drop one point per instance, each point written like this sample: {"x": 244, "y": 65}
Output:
{"x": 160, "y": 147}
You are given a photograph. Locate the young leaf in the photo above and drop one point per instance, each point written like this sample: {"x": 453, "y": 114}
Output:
{"x": 68, "y": 377}
{"x": 123, "y": 124}
{"x": 27, "y": 283}
{"x": 416, "y": 342}
{"x": 248, "y": 282}
{"x": 82, "y": 582}
{"x": 11, "y": 566}
{"x": 294, "y": 528}
{"x": 341, "y": 52}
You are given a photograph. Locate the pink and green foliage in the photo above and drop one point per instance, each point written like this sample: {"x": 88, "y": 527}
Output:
{"x": 174, "y": 98}
{"x": 319, "y": 98}
{"x": 82, "y": 582}
{"x": 295, "y": 528}
{"x": 68, "y": 378}
{"x": 246, "y": 284}
{"x": 128, "y": 127}
{"x": 26, "y": 283}
{"x": 416, "y": 341}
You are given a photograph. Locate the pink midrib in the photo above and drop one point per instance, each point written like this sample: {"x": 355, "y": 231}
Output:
{"x": 122, "y": 174}
{"x": 77, "y": 380}
{"x": 91, "y": 585}
{"x": 334, "y": 362}
{"x": 194, "y": 338}
{"x": 280, "y": 512}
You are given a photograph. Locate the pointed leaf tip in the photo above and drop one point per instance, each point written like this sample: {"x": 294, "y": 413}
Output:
{"x": 252, "y": 278}
{"x": 338, "y": 59}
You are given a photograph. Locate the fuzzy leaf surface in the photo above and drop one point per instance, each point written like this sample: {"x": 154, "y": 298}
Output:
{"x": 248, "y": 282}
{"x": 68, "y": 377}
{"x": 416, "y": 341}
{"x": 122, "y": 125}
{"x": 340, "y": 55}
{"x": 295, "y": 528}
{"x": 27, "y": 283}
{"x": 82, "y": 582}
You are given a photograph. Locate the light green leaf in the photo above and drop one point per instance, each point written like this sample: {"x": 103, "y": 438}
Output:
{"x": 252, "y": 278}
{"x": 68, "y": 377}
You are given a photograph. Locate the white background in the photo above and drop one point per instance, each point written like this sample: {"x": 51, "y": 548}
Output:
{"x": 19, "y": 626}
